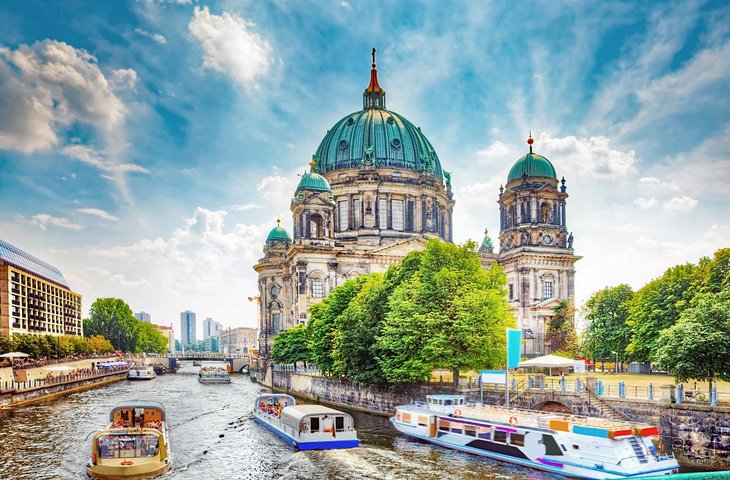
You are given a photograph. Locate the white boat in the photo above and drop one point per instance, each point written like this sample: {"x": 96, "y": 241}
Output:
{"x": 134, "y": 445}
{"x": 307, "y": 427}
{"x": 141, "y": 372}
{"x": 579, "y": 447}
{"x": 214, "y": 374}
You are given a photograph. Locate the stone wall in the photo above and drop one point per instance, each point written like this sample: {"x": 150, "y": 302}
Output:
{"x": 699, "y": 436}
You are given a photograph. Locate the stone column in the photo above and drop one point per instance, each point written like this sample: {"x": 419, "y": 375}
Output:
{"x": 423, "y": 213}
{"x": 390, "y": 211}
{"x": 307, "y": 225}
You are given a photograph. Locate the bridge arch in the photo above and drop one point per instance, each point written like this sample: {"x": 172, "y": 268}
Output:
{"x": 553, "y": 406}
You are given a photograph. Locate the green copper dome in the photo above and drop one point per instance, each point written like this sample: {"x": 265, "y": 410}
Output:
{"x": 313, "y": 181}
{"x": 378, "y": 137}
{"x": 277, "y": 234}
{"x": 532, "y": 165}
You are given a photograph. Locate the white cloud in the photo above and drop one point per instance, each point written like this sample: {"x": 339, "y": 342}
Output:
{"x": 646, "y": 202}
{"x": 231, "y": 46}
{"x": 275, "y": 188}
{"x": 89, "y": 156}
{"x": 125, "y": 78}
{"x": 243, "y": 207}
{"x": 154, "y": 36}
{"x": 44, "y": 220}
{"x": 654, "y": 185}
{"x": 679, "y": 204}
{"x": 97, "y": 212}
{"x": 49, "y": 85}
{"x": 591, "y": 156}
{"x": 497, "y": 152}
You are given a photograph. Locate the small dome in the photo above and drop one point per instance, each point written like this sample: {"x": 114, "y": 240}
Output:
{"x": 532, "y": 165}
{"x": 313, "y": 181}
{"x": 277, "y": 234}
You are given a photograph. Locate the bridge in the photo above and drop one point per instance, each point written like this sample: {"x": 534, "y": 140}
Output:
{"x": 238, "y": 362}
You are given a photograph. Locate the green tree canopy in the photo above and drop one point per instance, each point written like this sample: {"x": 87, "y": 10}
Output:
{"x": 450, "y": 314}
{"x": 607, "y": 312}
{"x": 112, "y": 318}
{"x": 697, "y": 347}
{"x": 291, "y": 346}
{"x": 560, "y": 334}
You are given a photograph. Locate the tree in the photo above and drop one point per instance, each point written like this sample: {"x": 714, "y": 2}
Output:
{"x": 291, "y": 346}
{"x": 560, "y": 333}
{"x": 607, "y": 312}
{"x": 112, "y": 318}
{"x": 657, "y": 306}
{"x": 698, "y": 345}
{"x": 99, "y": 344}
{"x": 450, "y": 314}
{"x": 322, "y": 333}
{"x": 149, "y": 339}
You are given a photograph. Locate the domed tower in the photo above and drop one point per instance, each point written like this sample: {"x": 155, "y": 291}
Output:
{"x": 386, "y": 178}
{"x": 536, "y": 249}
{"x": 312, "y": 209}
{"x": 272, "y": 286}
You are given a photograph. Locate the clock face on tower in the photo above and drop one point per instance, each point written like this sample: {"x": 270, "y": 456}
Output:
{"x": 547, "y": 239}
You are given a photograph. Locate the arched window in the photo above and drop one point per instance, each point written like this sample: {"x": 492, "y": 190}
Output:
{"x": 315, "y": 226}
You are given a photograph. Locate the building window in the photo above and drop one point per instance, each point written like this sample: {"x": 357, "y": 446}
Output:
{"x": 343, "y": 215}
{"x": 317, "y": 289}
{"x": 383, "y": 213}
{"x": 397, "y": 206}
{"x": 356, "y": 214}
{"x": 547, "y": 290}
{"x": 276, "y": 320}
{"x": 511, "y": 292}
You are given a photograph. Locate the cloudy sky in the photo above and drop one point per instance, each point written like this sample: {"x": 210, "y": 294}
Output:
{"x": 147, "y": 147}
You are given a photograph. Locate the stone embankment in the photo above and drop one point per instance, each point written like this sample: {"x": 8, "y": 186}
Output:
{"x": 699, "y": 436}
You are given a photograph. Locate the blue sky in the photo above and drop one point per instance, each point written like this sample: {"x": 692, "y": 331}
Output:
{"x": 146, "y": 147}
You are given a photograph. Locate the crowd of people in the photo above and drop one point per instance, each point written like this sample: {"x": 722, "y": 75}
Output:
{"x": 272, "y": 408}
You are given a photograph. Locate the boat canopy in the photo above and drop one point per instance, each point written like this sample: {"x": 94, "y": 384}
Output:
{"x": 299, "y": 412}
{"x": 279, "y": 398}
{"x": 138, "y": 404}
{"x": 111, "y": 364}
{"x": 444, "y": 399}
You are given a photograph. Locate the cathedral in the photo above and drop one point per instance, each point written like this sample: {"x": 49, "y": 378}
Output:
{"x": 375, "y": 191}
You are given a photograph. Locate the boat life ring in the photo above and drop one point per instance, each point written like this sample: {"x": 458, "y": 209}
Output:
{"x": 513, "y": 421}
{"x": 457, "y": 412}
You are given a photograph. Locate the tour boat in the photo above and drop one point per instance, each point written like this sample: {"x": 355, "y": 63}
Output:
{"x": 134, "y": 445}
{"x": 307, "y": 427}
{"x": 579, "y": 447}
{"x": 214, "y": 374}
{"x": 141, "y": 372}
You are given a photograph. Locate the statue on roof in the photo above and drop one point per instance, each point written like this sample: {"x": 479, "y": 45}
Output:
{"x": 426, "y": 162}
{"x": 368, "y": 160}
{"x": 448, "y": 182}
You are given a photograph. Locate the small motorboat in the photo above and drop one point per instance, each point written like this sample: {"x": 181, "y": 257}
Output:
{"x": 141, "y": 372}
{"x": 134, "y": 445}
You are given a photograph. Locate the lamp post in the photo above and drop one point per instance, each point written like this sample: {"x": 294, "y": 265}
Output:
{"x": 615, "y": 363}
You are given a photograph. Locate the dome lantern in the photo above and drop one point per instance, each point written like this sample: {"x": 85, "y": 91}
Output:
{"x": 532, "y": 165}
{"x": 373, "y": 96}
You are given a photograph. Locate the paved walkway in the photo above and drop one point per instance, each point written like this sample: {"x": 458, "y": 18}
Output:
{"x": 6, "y": 374}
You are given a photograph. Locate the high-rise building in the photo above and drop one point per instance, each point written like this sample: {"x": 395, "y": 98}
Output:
{"x": 211, "y": 328}
{"x": 35, "y": 298}
{"x": 143, "y": 316}
{"x": 187, "y": 328}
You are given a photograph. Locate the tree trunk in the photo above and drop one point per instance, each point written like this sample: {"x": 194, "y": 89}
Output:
{"x": 455, "y": 373}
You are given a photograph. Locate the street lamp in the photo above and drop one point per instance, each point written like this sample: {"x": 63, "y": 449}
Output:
{"x": 615, "y": 363}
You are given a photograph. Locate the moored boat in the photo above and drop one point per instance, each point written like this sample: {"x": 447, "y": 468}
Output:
{"x": 214, "y": 374}
{"x": 579, "y": 447}
{"x": 134, "y": 445}
{"x": 141, "y": 372}
{"x": 307, "y": 427}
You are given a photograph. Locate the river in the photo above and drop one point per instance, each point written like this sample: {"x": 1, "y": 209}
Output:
{"x": 213, "y": 436}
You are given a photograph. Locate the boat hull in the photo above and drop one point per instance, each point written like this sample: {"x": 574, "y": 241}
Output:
{"x": 139, "y": 378}
{"x": 127, "y": 472}
{"x": 308, "y": 445}
{"x": 209, "y": 381}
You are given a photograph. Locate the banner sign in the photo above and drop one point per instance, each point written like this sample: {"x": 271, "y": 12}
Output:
{"x": 579, "y": 366}
{"x": 514, "y": 345}
{"x": 494, "y": 376}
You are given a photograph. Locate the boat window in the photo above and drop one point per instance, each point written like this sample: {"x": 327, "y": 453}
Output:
{"x": 339, "y": 423}
{"x": 470, "y": 430}
{"x": 406, "y": 417}
{"x": 447, "y": 402}
{"x": 443, "y": 425}
{"x": 517, "y": 439}
{"x": 126, "y": 446}
{"x": 551, "y": 446}
{"x": 399, "y": 416}
{"x": 423, "y": 421}
{"x": 564, "y": 449}
{"x": 314, "y": 424}
{"x": 500, "y": 436}
{"x": 485, "y": 432}
{"x": 576, "y": 447}
{"x": 461, "y": 401}
{"x": 456, "y": 428}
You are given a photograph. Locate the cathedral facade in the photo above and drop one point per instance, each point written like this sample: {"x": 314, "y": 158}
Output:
{"x": 376, "y": 191}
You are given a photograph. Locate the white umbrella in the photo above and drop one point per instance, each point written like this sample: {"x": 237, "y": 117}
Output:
{"x": 549, "y": 361}
{"x": 14, "y": 355}
{"x": 58, "y": 368}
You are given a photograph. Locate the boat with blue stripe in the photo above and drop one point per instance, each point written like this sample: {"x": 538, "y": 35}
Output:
{"x": 306, "y": 427}
{"x": 570, "y": 445}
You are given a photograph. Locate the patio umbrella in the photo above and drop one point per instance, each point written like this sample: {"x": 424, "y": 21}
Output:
{"x": 12, "y": 355}
{"x": 549, "y": 361}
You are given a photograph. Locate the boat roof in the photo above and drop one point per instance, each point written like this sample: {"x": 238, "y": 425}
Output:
{"x": 444, "y": 396}
{"x": 301, "y": 411}
{"x": 138, "y": 404}
{"x": 275, "y": 396}
{"x": 111, "y": 364}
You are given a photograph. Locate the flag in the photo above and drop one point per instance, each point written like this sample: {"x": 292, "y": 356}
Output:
{"x": 514, "y": 345}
